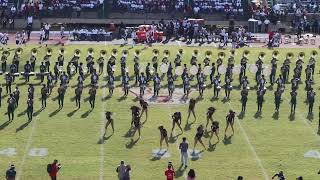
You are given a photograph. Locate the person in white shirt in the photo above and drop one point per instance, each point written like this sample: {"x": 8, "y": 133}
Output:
{"x": 134, "y": 37}
{"x": 47, "y": 31}
{"x": 30, "y": 20}
{"x": 266, "y": 25}
{"x": 42, "y": 35}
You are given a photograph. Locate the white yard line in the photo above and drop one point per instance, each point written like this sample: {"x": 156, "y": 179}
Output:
{"x": 265, "y": 174}
{"x": 102, "y": 129}
{"x": 305, "y": 121}
{"x": 27, "y": 147}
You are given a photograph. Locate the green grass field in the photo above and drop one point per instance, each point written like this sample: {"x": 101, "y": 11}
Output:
{"x": 260, "y": 147}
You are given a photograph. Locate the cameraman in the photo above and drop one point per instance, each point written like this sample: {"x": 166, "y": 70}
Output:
{"x": 169, "y": 173}
{"x": 53, "y": 169}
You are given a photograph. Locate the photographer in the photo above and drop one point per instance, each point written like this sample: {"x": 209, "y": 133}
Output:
{"x": 53, "y": 169}
{"x": 169, "y": 173}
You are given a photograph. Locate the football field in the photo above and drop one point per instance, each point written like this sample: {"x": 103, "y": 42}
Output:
{"x": 261, "y": 146}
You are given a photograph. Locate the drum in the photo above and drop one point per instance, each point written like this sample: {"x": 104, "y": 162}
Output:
{"x": 222, "y": 69}
{"x": 253, "y": 68}
{"x": 207, "y": 70}
{"x": 236, "y": 69}
{"x": 193, "y": 70}
{"x": 179, "y": 70}
{"x": 164, "y": 68}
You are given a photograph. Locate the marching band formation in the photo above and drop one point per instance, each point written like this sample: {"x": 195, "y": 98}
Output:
{"x": 158, "y": 68}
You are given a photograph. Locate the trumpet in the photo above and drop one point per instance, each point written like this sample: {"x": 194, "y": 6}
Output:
{"x": 275, "y": 54}
{"x": 155, "y": 52}
{"x": 289, "y": 55}
{"x": 246, "y": 53}
{"x": 49, "y": 51}
{"x": 195, "y": 53}
{"x": 61, "y": 51}
{"x": 314, "y": 54}
{"x": 90, "y": 52}
{"x": 125, "y": 53}
{"x": 114, "y": 52}
{"x": 262, "y": 55}
{"x": 137, "y": 53}
{"x": 77, "y": 53}
{"x": 221, "y": 55}
{"x": 208, "y": 54}
{"x": 166, "y": 53}
{"x": 19, "y": 51}
{"x": 34, "y": 52}
{"x": 301, "y": 55}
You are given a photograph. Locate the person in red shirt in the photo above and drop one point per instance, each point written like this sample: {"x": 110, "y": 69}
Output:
{"x": 55, "y": 167}
{"x": 169, "y": 173}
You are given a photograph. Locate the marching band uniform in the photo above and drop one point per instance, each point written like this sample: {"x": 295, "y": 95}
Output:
{"x": 27, "y": 70}
{"x": 310, "y": 98}
{"x": 125, "y": 83}
{"x": 142, "y": 84}
{"x": 111, "y": 83}
{"x": 78, "y": 93}
{"x": 170, "y": 85}
{"x": 244, "y": 99}
{"x": 216, "y": 86}
{"x": 156, "y": 86}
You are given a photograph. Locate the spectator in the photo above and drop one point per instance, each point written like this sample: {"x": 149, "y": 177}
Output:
{"x": 184, "y": 152}
{"x": 47, "y": 31}
{"x": 11, "y": 173}
{"x": 53, "y": 169}
{"x": 191, "y": 175}
{"x": 121, "y": 169}
{"x": 169, "y": 173}
{"x": 127, "y": 173}
{"x": 30, "y": 20}
{"x": 266, "y": 25}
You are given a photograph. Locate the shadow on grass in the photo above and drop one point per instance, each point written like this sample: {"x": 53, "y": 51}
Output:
{"x": 37, "y": 112}
{"x": 86, "y": 114}
{"x": 310, "y": 116}
{"x": 180, "y": 171}
{"x": 292, "y": 117}
{"x": 130, "y": 132}
{"x": 55, "y": 112}
{"x": 130, "y": 144}
{"x": 106, "y": 98}
{"x": 275, "y": 115}
{"x": 227, "y": 140}
{"x": 241, "y": 115}
{"x": 212, "y": 147}
{"x": 4, "y": 125}
{"x": 22, "y": 113}
{"x": 103, "y": 139}
{"x": 70, "y": 114}
{"x": 23, "y": 126}
{"x": 173, "y": 139}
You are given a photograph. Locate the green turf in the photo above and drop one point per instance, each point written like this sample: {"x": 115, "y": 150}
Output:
{"x": 279, "y": 144}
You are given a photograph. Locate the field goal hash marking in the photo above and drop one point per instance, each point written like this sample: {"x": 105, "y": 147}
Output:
{"x": 266, "y": 177}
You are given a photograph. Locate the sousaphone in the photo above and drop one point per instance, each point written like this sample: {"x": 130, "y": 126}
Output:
{"x": 262, "y": 55}
{"x": 155, "y": 52}
{"x": 246, "y": 53}
{"x": 275, "y": 54}
{"x": 221, "y": 55}
{"x": 208, "y": 54}
{"x": 125, "y": 53}
{"x": 34, "y": 51}
{"x": 77, "y": 52}
{"x": 90, "y": 52}
{"x": 49, "y": 51}
{"x": 114, "y": 52}
{"x": 166, "y": 53}
{"x": 62, "y": 51}
{"x": 314, "y": 53}
{"x": 19, "y": 51}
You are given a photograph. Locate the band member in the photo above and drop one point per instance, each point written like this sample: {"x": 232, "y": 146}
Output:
{"x": 78, "y": 93}
{"x": 261, "y": 82}
{"x": 177, "y": 60}
{"x": 163, "y": 136}
{"x": 227, "y": 87}
{"x": 111, "y": 84}
{"x": 230, "y": 121}
{"x": 123, "y": 65}
{"x": 4, "y": 59}
{"x": 0, "y": 95}
{"x": 170, "y": 85}
{"x": 50, "y": 82}
{"x": 213, "y": 71}
{"x": 260, "y": 99}
{"x": 210, "y": 112}
{"x": 92, "y": 96}
{"x": 94, "y": 78}
{"x": 274, "y": 66}
{"x": 64, "y": 79}
{"x": 56, "y": 71}
{"x": 308, "y": 72}
{"x": 156, "y": 85}
{"x": 81, "y": 71}
{"x": 135, "y": 111}
{"x": 192, "y": 105}
{"x": 201, "y": 85}
{"x": 243, "y": 63}
{"x": 13, "y": 70}
{"x": 310, "y": 97}
{"x": 11, "y": 103}
{"x": 142, "y": 84}
{"x": 31, "y": 91}
{"x": 30, "y": 109}
{"x": 148, "y": 73}
{"x": 16, "y": 61}
{"x": 280, "y": 82}
{"x": 100, "y": 61}
{"x": 110, "y": 64}
{"x": 198, "y": 137}
{"x": 244, "y": 99}
{"x": 245, "y": 83}
{"x": 294, "y": 83}
{"x": 216, "y": 86}
{"x": 308, "y": 83}
{"x": 61, "y": 58}
{"x": 126, "y": 85}
{"x": 144, "y": 105}
{"x": 42, "y": 70}
{"x": 259, "y": 63}
{"x": 89, "y": 60}
{"x": 61, "y": 93}
{"x": 69, "y": 69}
{"x": 33, "y": 59}
{"x": 46, "y": 60}
{"x": 16, "y": 95}
{"x": 214, "y": 130}
{"x": 176, "y": 119}
{"x": 285, "y": 72}
{"x": 109, "y": 122}
{"x": 9, "y": 80}
{"x": 27, "y": 70}
{"x": 277, "y": 99}
{"x": 44, "y": 96}
{"x": 136, "y": 121}
{"x": 293, "y": 101}
{"x": 136, "y": 69}
{"x": 186, "y": 85}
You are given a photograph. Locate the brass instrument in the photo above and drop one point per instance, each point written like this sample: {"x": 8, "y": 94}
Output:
{"x": 208, "y": 54}
{"x": 125, "y": 53}
{"x": 221, "y": 55}
{"x": 5, "y": 55}
{"x": 314, "y": 54}
{"x": 289, "y": 55}
{"x": 61, "y": 51}
{"x": 90, "y": 52}
{"x": 77, "y": 52}
{"x": 246, "y": 53}
{"x": 155, "y": 52}
{"x": 195, "y": 53}
{"x": 180, "y": 52}
{"x": 166, "y": 53}
{"x": 114, "y": 52}
{"x": 275, "y": 54}
{"x": 262, "y": 55}
{"x": 49, "y": 51}
{"x": 301, "y": 55}
{"x": 19, "y": 51}
{"x": 102, "y": 56}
